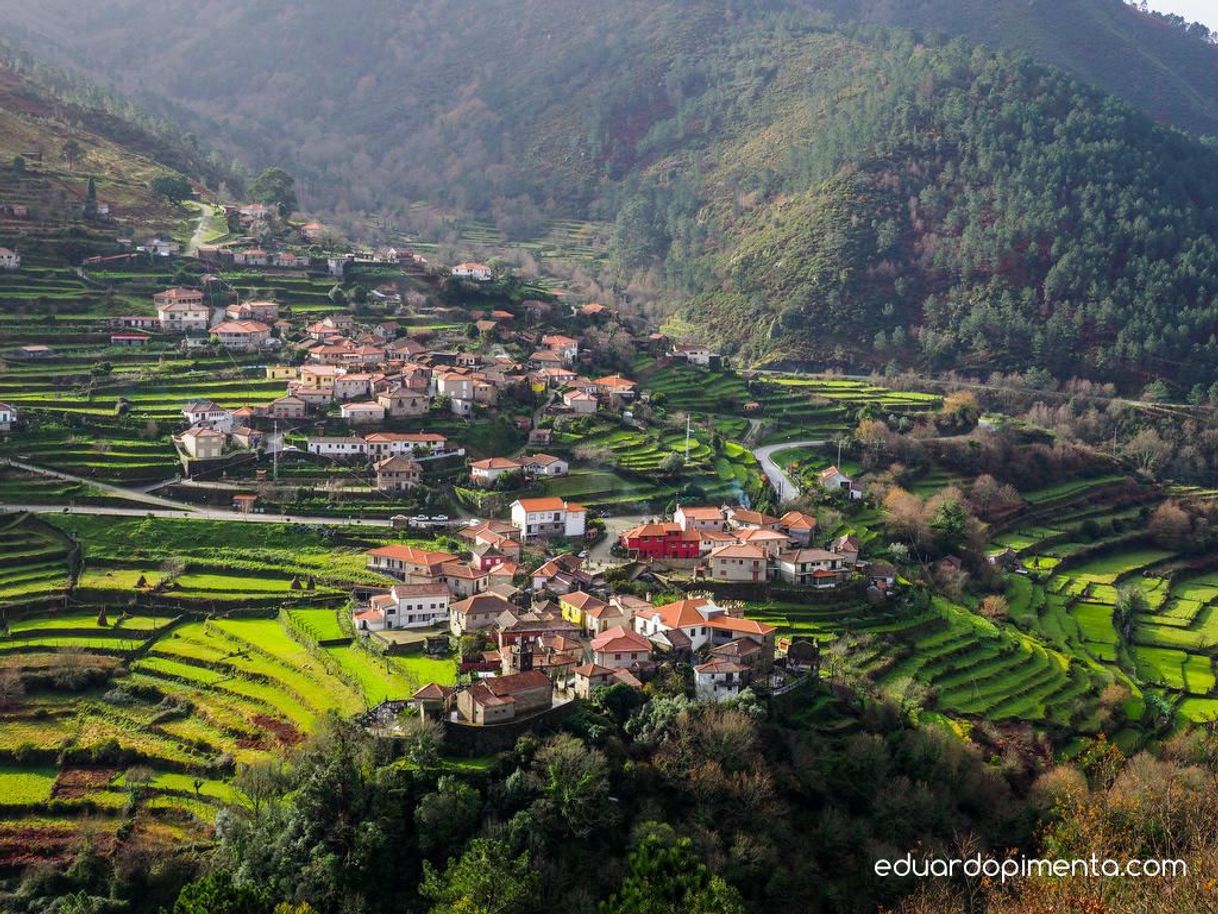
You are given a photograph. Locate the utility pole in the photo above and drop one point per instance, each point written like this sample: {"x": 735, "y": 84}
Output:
{"x": 275, "y": 452}
{"x": 687, "y": 418}
{"x": 839, "y": 451}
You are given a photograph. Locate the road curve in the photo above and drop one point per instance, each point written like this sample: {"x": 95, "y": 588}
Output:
{"x": 786, "y": 489}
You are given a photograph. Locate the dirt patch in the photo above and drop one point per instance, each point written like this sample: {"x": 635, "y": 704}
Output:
{"x": 22, "y": 847}
{"x": 74, "y": 783}
{"x": 280, "y": 729}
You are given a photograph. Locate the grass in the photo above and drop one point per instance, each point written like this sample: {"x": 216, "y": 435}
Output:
{"x": 26, "y": 785}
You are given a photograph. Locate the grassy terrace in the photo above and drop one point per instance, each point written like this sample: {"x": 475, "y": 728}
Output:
{"x": 33, "y": 562}
{"x": 1069, "y": 596}
{"x": 202, "y": 696}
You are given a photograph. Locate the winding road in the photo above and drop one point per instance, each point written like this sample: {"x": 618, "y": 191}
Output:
{"x": 786, "y": 489}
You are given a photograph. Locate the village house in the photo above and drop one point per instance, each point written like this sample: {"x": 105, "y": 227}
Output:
{"x": 341, "y": 447}
{"x": 242, "y": 336}
{"x": 180, "y": 310}
{"x": 847, "y": 546}
{"x": 408, "y": 563}
{"x": 350, "y": 385}
{"x": 485, "y": 472}
{"x": 748, "y": 519}
{"x": 591, "y": 675}
{"x": 9, "y": 259}
{"x": 718, "y": 678}
{"x": 405, "y": 606}
{"x": 667, "y": 540}
{"x": 421, "y": 445}
{"x": 616, "y": 388}
{"x": 699, "y": 518}
{"x": 771, "y": 542}
{"x": 738, "y": 564}
{"x": 8, "y": 417}
{"x": 548, "y": 517}
{"x": 695, "y": 354}
{"x": 400, "y": 402}
{"x": 619, "y": 647}
{"x": 477, "y": 612}
{"x": 579, "y": 402}
{"x": 207, "y": 413}
{"x": 679, "y": 625}
{"x": 812, "y": 568}
{"x": 265, "y": 311}
{"x": 246, "y": 437}
{"x": 287, "y": 408}
{"x": 566, "y": 347}
{"x": 397, "y": 474}
{"x": 128, "y": 339}
{"x": 433, "y": 700}
{"x": 503, "y": 698}
{"x": 544, "y": 465}
{"x": 202, "y": 443}
{"x": 464, "y": 580}
{"x": 834, "y": 480}
{"x": 478, "y": 272}
{"x": 798, "y": 527}
{"x": 598, "y": 619}
{"x": 576, "y": 604}
{"x": 363, "y": 413}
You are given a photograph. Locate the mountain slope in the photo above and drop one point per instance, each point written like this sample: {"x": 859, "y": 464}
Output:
{"x": 44, "y": 114}
{"x": 811, "y": 189}
{"x": 1170, "y": 75}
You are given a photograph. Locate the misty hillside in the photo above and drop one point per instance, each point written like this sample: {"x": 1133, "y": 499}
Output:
{"x": 806, "y": 187}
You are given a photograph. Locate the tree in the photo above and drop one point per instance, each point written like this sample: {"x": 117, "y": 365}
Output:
{"x": 173, "y": 187}
{"x": 1170, "y": 525}
{"x": 950, "y": 524}
{"x": 1147, "y": 450}
{"x": 668, "y": 878}
{"x": 275, "y": 187}
{"x": 216, "y": 893}
{"x": 12, "y": 688}
{"x": 574, "y": 784}
{"x": 994, "y": 607}
{"x": 71, "y": 152}
{"x": 444, "y": 817}
{"x": 90, "y": 207}
{"x": 486, "y": 879}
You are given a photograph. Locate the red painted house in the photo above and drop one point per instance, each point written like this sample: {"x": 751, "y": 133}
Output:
{"x": 661, "y": 541}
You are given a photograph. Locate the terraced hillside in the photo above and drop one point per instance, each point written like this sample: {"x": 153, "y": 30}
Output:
{"x": 35, "y": 565}
{"x": 128, "y": 727}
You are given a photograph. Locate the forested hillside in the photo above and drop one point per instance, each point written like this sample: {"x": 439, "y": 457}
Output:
{"x": 801, "y": 186}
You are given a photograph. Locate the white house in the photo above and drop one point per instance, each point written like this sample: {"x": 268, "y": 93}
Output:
{"x": 347, "y": 446}
{"x": 9, "y": 259}
{"x": 479, "y": 272}
{"x": 688, "y": 617}
{"x": 406, "y": 606}
{"x": 834, "y": 480}
{"x": 700, "y": 518}
{"x": 545, "y": 465}
{"x": 8, "y": 416}
{"x": 693, "y": 353}
{"x": 548, "y": 517}
{"x": 485, "y": 472}
{"x": 180, "y": 310}
{"x": 718, "y": 679}
{"x": 205, "y": 412}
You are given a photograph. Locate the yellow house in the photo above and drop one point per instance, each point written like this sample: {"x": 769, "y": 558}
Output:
{"x": 281, "y": 372}
{"x": 575, "y": 606}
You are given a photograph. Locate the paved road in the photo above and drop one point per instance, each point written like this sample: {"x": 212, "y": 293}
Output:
{"x": 786, "y": 489}
{"x": 197, "y": 513}
{"x": 614, "y": 527}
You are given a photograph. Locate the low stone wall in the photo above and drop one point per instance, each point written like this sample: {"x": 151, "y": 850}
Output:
{"x": 462, "y": 738}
